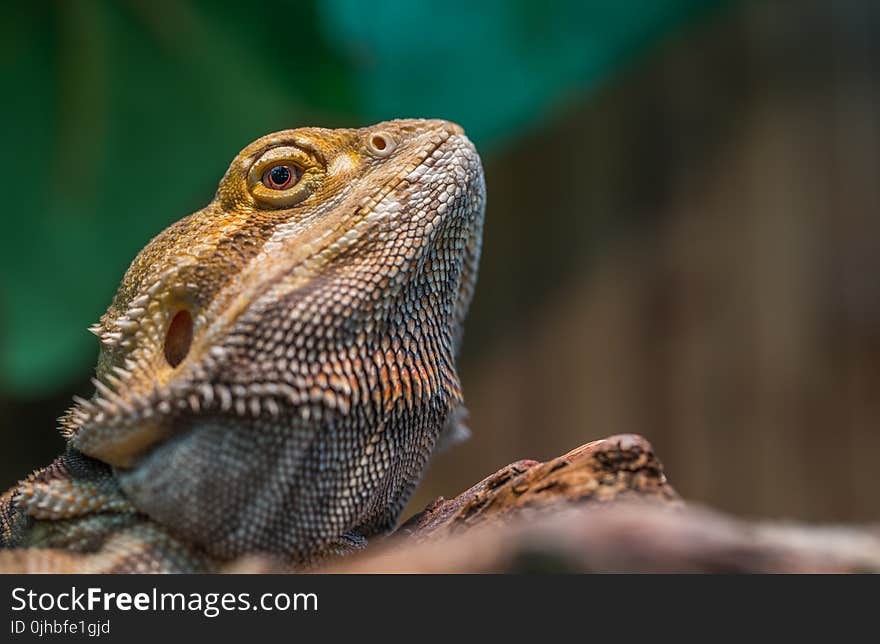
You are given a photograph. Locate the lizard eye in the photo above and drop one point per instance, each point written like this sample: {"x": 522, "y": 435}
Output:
{"x": 284, "y": 176}
{"x": 281, "y": 177}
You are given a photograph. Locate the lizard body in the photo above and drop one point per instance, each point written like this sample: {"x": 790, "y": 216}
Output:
{"x": 275, "y": 369}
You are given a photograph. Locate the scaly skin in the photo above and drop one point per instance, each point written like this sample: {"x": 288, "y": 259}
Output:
{"x": 275, "y": 369}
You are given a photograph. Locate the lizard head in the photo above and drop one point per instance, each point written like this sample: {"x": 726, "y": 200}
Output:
{"x": 320, "y": 250}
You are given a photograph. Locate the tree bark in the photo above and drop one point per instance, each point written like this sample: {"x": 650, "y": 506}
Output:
{"x": 603, "y": 507}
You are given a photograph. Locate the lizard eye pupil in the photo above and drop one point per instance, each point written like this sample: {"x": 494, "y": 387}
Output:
{"x": 279, "y": 174}
{"x": 280, "y": 177}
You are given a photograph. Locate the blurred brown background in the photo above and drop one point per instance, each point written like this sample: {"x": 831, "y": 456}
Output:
{"x": 689, "y": 252}
{"x": 735, "y": 319}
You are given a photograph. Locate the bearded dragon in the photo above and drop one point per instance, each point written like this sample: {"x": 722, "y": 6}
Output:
{"x": 276, "y": 369}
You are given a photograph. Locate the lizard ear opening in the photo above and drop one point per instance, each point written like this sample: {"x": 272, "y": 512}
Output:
{"x": 179, "y": 337}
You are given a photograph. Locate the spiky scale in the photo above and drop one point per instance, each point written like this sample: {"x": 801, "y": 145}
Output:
{"x": 277, "y": 367}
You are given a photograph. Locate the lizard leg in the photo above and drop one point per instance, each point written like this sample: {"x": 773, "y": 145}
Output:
{"x": 71, "y": 503}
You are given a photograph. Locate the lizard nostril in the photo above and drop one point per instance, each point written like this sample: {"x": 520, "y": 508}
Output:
{"x": 381, "y": 144}
{"x": 179, "y": 337}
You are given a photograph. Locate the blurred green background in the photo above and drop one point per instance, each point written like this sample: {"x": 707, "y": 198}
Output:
{"x": 680, "y": 234}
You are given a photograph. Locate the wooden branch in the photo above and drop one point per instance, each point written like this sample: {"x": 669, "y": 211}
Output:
{"x": 627, "y": 538}
{"x": 613, "y": 469}
{"x": 604, "y": 507}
